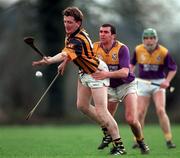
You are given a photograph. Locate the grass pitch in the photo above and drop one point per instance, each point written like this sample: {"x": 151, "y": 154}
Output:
{"x": 78, "y": 141}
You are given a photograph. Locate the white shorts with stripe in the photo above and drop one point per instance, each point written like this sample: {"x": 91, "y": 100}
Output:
{"x": 145, "y": 89}
{"x": 118, "y": 94}
{"x": 89, "y": 81}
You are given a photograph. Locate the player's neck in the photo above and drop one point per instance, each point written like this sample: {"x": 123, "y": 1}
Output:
{"x": 107, "y": 46}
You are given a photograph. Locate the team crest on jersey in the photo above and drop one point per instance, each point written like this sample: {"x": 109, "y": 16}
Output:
{"x": 158, "y": 58}
{"x": 114, "y": 56}
{"x": 142, "y": 57}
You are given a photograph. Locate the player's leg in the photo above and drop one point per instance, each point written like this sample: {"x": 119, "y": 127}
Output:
{"x": 144, "y": 92}
{"x": 107, "y": 120}
{"x": 160, "y": 103}
{"x": 142, "y": 107}
{"x": 130, "y": 102}
{"x": 84, "y": 97}
{"x": 106, "y": 140}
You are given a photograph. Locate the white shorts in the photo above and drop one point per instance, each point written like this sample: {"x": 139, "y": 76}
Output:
{"x": 119, "y": 93}
{"x": 89, "y": 81}
{"x": 145, "y": 89}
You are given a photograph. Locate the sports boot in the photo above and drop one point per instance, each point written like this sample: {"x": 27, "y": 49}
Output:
{"x": 170, "y": 144}
{"x": 118, "y": 149}
{"x": 105, "y": 142}
{"x": 143, "y": 147}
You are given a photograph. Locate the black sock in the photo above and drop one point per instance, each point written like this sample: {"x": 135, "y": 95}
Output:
{"x": 118, "y": 142}
{"x": 105, "y": 131}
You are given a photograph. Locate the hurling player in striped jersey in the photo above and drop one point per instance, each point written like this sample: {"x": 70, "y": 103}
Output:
{"x": 78, "y": 49}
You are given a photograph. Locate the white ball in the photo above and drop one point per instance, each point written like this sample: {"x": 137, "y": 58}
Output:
{"x": 39, "y": 74}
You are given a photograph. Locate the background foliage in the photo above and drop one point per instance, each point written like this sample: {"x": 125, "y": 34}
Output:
{"x": 42, "y": 19}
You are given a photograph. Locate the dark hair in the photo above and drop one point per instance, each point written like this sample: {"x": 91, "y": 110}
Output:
{"x": 74, "y": 12}
{"x": 113, "y": 29}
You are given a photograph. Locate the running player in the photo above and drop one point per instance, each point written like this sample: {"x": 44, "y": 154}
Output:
{"x": 122, "y": 84}
{"x": 155, "y": 64}
{"x": 78, "y": 48}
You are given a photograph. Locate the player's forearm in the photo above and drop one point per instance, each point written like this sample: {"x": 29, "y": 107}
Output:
{"x": 122, "y": 73}
{"x": 57, "y": 58}
{"x": 170, "y": 75}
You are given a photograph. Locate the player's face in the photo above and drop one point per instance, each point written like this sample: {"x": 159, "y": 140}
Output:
{"x": 70, "y": 24}
{"x": 105, "y": 35}
{"x": 150, "y": 43}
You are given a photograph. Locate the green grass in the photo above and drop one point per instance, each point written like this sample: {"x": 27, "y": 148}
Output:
{"x": 78, "y": 141}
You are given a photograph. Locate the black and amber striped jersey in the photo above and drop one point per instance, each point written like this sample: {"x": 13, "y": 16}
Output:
{"x": 79, "y": 48}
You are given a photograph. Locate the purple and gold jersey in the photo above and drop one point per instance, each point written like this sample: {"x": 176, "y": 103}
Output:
{"x": 117, "y": 58}
{"x": 79, "y": 49}
{"x": 153, "y": 65}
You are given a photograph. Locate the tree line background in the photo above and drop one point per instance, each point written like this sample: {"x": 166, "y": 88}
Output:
{"x": 42, "y": 19}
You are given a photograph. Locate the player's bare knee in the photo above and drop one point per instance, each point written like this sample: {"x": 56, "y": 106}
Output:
{"x": 141, "y": 116}
{"x": 131, "y": 120}
{"x": 102, "y": 116}
{"x": 160, "y": 112}
{"x": 82, "y": 108}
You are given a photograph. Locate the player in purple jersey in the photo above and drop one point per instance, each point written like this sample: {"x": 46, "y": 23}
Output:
{"x": 154, "y": 64}
{"x": 122, "y": 84}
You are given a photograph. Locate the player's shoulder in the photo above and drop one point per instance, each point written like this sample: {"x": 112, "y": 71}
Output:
{"x": 162, "y": 48}
{"x": 120, "y": 43}
{"x": 75, "y": 41}
{"x": 96, "y": 43}
{"x": 139, "y": 47}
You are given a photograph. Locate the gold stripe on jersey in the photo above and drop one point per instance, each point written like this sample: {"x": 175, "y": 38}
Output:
{"x": 71, "y": 53}
{"x": 91, "y": 64}
{"x": 85, "y": 60}
{"x": 79, "y": 63}
{"x": 110, "y": 58}
{"x": 144, "y": 57}
{"x": 87, "y": 45}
